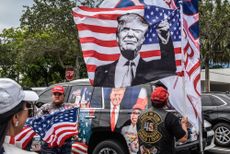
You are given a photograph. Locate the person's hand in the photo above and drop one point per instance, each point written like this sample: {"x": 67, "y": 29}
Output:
{"x": 163, "y": 26}
{"x": 163, "y": 31}
{"x": 184, "y": 125}
{"x": 184, "y": 122}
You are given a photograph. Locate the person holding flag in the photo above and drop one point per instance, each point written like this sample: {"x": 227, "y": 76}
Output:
{"x": 14, "y": 109}
{"x": 157, "y": 128}
{"x": 56, "y": 105}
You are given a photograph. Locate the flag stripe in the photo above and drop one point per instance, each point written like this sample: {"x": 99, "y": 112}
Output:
{"x": 23, "y": 133}
{"x": 111, "y": 9}
{"x": 96, "y": 21}
{"x": 65, "y": 136}
{"x": 106, "y": 43}
{"x": 98, "y": 16}
{"x": 25, "y": 141}
{"x": 98, "y": 29}
{"x": 103, "y": 57}
{"x": 24, "y": 137}
{"x": 55, "y": 128}
{"x": 87, "y": 33}
{"x": 79, "y": 148}
{"x": 105, "y": 13}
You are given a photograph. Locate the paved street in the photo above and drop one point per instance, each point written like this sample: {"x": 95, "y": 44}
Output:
{"x": 218, "y": 150}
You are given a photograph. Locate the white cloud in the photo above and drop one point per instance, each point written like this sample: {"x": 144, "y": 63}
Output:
{"x": 11, "y": 11}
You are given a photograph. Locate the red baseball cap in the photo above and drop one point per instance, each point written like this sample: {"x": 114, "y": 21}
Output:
{"x": 159, "y": 94}
{"x": 58, "y": 89}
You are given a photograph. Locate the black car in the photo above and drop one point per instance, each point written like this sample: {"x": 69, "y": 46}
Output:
{"x": 216, "y": 110}
{"x": 93, "y": 127}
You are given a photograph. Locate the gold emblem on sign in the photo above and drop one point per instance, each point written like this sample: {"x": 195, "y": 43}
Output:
{"x": 148, "y": 132}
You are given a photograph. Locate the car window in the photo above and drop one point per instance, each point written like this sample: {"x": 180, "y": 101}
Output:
{"x": 45, "y": 97}
{"x": 216, "y": 101}
{"x": 96, "y": 101}
{"x": 126, "y": 98}
{"x": 225, "y": 97}
{"x": 86, "y": 96}
{"x": 209, "y": 100}
{"x": 206, "y": 101}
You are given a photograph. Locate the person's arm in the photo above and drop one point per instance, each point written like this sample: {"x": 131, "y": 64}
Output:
{"x": 176, "y": 127}
{"x": 163, "y": 32}
{"x": 184, "y": 125}
{"x": 42, "y": 110}
{"x": 167, "y": 61}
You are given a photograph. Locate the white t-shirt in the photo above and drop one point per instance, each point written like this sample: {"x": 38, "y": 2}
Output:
{"x": 12, "y": 149}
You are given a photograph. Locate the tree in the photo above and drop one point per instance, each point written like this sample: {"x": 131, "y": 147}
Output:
{"x": 51, "y": 35}
{"x": 43, "y": 46}
{"x": 214, "y": 32}
{"x": 9, "y": 49}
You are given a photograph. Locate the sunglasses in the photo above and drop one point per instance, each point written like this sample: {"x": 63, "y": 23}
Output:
{"x": 29, "y": 108}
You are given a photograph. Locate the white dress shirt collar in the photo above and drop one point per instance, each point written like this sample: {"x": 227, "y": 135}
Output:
{"x": 121, "y": 69}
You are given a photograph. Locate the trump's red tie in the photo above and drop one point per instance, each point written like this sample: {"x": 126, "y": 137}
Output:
{"x": 112, "y": 120}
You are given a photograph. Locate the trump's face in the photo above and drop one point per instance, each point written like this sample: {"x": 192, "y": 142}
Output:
{"x": 116, "y": 95}
{"x": 131, "y": 35}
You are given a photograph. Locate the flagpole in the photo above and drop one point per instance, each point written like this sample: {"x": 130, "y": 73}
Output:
{"x": 182, "y": 50}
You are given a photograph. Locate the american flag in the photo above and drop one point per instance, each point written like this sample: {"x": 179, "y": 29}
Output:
{"x": 57, "y": 127}
{"x": 24, "y": 137}
{"x": 97, "y": 33}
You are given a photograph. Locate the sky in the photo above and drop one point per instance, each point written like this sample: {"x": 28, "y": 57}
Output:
{"x": 11, "y": 11}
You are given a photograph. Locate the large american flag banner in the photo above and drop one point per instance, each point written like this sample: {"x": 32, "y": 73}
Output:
{"x": 55, "y": 128}
{"x": 186, "y": 86}
{"x": 97, "y": 32}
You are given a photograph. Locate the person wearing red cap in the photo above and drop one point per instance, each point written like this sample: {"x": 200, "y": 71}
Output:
{"x": 56, "y": 105}
{"x": 157, "y": 128}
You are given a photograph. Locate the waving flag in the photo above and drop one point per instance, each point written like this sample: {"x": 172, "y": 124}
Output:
{"x": 187, "y": 85}
{"x": 24, "y": 137}
{"x": 57, "y": 127}
{"x": 192, "y": 67}
{"x": 97, "y": 32}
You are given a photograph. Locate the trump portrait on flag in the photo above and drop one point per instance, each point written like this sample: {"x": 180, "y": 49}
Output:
{"x": 141, "y": 50}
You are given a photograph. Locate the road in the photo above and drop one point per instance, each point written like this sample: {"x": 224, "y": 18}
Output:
{"x": 218, "y": 150}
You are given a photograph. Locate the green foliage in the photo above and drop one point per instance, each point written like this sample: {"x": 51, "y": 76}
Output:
{"x": 45, "y": 44}
{"x": 215, "y": 30}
